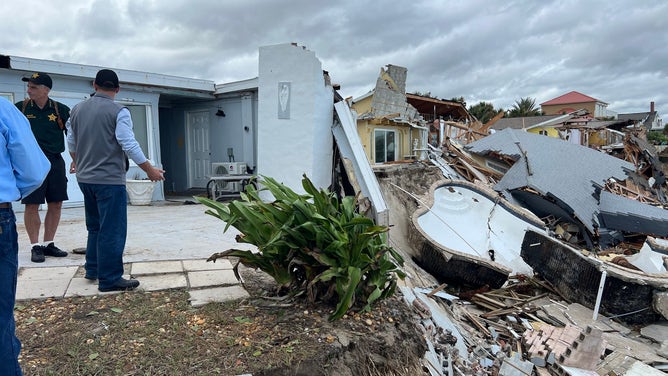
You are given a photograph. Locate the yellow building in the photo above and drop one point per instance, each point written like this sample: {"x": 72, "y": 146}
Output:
{"x": 394, "y": 126}
{"x": 390, "y": 129}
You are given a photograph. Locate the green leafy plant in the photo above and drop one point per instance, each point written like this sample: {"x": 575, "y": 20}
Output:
{"x": 657, "y": 137}
{"x": 313, "y": 243}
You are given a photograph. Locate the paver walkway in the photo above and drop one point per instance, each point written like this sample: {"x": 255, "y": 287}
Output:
{"x": 167, "y": 247}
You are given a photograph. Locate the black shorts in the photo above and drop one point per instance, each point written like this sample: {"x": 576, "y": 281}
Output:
{"x": 54, "y": 188}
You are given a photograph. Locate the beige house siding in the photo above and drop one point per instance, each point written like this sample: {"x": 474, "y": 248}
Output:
{"x": 560, "y": 109}
{"x": 547, "y": 130}
{"x": 363, "y": 106}
{"x": 366, "y": 129}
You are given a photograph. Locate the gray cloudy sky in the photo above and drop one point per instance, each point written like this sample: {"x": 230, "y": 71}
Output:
{"x": 483, "y": 50}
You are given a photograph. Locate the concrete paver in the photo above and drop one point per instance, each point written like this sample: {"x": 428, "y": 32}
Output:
{"x": 156, "y": 267}
{"x": 201, "y": 297}
{"x": 44, "y": 282}
{"x": 206, "y": 278}
{"x": 81, "y": 287}
{"x": 167, "y": 248}
{"x": 192, "y": 265}
{"x": 156, "y": 282}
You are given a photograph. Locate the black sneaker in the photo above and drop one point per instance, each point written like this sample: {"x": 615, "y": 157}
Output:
{"x": 37, "y": 253}
{"x": 52, "y": 250}
{"x": 121, "y": 285}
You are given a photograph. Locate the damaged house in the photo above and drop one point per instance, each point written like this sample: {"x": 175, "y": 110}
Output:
{"x": 390, "y": 128}
{"x": 290, "y": 121}
{"x": 577, "y": 127}
{"x": 395, "y": 126}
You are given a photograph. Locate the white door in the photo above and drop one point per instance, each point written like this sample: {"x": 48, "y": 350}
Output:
{"x": 199, "y": 148}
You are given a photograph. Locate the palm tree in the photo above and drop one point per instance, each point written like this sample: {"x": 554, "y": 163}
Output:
{"x": 483, "y": 111}
{"x": 525, "y": 107}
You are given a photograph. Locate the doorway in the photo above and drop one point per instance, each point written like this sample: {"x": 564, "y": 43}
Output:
{"x": 198, "y": 148}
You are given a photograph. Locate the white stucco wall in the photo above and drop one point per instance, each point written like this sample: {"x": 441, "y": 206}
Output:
{"x": 298, "y": 140}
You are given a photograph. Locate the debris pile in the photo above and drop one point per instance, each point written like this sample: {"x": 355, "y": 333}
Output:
{"x": 526, "y": 328}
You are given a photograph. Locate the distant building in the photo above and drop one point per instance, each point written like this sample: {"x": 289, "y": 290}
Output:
{"x": 649, "y": 120}
{"x": 575, "y": 101}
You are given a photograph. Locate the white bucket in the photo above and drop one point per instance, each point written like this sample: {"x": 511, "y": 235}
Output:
{"x": 140, "y": 192}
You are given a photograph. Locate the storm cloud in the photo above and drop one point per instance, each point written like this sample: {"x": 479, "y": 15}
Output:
{"x": 493, "y": 51}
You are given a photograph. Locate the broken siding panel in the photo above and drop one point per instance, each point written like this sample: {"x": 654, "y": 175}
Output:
{"x": 621, "y": 213}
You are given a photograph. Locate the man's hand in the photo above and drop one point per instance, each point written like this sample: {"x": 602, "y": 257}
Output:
{"x": 155, "y": 174}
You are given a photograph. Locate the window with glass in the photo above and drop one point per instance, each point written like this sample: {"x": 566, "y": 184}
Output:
{"x": 385, "y": 142}
{"x": 140, "y": 123}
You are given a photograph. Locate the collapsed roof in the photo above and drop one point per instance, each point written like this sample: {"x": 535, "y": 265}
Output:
{"x": 569, "y": 177}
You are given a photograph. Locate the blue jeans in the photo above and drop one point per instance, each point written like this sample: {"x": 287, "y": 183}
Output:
{"x": 10, "y": 346}
{"x": 107, "y": 225}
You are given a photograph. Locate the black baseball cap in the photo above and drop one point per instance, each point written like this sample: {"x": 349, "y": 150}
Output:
{"x": 106, "y": 78}
{"x": 39, "y": 78}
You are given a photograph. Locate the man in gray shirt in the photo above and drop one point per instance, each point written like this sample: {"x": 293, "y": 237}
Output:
{"x": 99, "y": 135}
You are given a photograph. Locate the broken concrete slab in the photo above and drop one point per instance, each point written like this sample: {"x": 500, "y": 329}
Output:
{"x": 573, "y": 371}
{"x": 660, "y": 302}
{"x": 641, "y": 369}
{"x": 514, "y": 366}
{"x": 580, "y": 316}
{"x": 622, "y": 364}
{"x": 657, "y": 332}
{"x": 663, "y": 350}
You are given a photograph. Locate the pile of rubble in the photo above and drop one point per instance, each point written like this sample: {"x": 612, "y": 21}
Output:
{"x": 526, "y": 328}
{"x": 602, "y": 208}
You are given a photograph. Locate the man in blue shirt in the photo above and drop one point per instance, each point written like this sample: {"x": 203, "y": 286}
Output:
{"x": 23, "y": 168}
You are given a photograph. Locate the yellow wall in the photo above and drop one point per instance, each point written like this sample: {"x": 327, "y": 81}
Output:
{"x": 558, "y": 109}
{"x": 598, "y": 138}
{"x": 363, "y": 106}
{"x": 551, "y": 132}
{"x": 365, "y": 129}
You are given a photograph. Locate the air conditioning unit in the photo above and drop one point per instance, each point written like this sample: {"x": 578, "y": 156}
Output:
{"x": 228, "y": 168}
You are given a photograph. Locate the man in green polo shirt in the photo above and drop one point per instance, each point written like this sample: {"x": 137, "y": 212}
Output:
{"x": 47, "y": 120}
